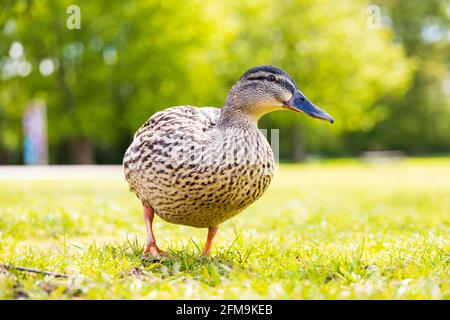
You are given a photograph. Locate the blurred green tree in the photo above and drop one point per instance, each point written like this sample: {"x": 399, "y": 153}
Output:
{"x": 102, "y": 81}
{"x": 420, "y": 122}
{"x": 131, "y": 59}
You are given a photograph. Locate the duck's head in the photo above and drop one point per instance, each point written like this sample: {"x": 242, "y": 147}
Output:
{"x": 264, "y": 89}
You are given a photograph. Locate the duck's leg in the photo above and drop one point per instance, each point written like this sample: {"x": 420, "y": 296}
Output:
{"x": 211, "y": 233}
{"x": 151, "y": 247}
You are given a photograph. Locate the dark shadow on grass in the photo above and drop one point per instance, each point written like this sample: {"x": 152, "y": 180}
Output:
{"x": 189, "y": 263}
{"x": 185, "y": 262}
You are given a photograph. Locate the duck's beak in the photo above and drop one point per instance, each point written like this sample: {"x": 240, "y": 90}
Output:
{"x": 300, "y": 103}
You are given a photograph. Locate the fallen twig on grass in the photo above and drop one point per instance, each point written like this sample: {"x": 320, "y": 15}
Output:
{"x": 31, "y": 270}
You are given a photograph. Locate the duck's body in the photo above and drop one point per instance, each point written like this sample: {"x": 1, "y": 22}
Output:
{"x": 202, "y": 166}
{"x": 194, "y": 172}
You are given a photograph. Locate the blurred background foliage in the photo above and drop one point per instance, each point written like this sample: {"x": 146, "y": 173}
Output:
{"x": 387, "y": 87}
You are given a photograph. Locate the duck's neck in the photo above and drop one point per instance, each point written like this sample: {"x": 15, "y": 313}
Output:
{"x": 236, "y": 119}
{"x": 235, "y": 115}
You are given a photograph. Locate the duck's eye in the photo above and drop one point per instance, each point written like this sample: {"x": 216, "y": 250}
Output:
{"x": 271, "y": 77}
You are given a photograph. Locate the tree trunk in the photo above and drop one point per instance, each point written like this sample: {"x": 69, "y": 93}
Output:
{"x": 3, "y": 157}
{"x": 298, "y": 150}
{"x": 81, "y": 151}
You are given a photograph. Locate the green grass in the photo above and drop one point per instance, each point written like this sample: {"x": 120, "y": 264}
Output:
{"x": 334, "y": 230}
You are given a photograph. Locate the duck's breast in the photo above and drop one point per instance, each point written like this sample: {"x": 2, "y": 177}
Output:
{"x": 193, "y": 173}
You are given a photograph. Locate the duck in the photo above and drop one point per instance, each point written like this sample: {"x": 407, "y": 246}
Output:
{"x": 201, "y": 166}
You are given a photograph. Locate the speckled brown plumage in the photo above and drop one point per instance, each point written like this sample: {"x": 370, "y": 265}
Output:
{"x": 202, "y": 166}
{"x": 192, "y": 171}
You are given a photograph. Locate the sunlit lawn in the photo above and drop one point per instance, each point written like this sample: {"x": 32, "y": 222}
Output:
{"x": 345, "y": 230}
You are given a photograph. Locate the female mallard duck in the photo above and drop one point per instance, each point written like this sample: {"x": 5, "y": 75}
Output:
{"x": 202, "y": 166}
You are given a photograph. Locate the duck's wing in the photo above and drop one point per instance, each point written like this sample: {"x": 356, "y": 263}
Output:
{"x": 179, "y": 118}
{"x": 168, "y": 130}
